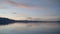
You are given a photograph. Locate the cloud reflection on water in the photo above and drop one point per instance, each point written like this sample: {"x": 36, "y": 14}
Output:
{"x": 29, "y": 28}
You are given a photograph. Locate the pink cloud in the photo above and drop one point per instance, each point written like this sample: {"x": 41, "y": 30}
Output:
{"x": 21, "y": 5}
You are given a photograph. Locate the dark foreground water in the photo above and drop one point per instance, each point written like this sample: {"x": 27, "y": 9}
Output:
{"x": 31, "y": 28}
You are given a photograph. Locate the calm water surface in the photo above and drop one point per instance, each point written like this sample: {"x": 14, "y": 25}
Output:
{"x": 30, "y": 28}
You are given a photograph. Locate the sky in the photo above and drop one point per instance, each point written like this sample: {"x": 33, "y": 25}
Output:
{"x": 46, "y": 10}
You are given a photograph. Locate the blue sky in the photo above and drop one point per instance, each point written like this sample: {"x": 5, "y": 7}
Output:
{"x": 22, "y": 9}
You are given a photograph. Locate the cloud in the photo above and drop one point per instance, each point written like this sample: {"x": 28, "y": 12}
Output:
{"x": 18, "y": 4}
{"x": 22, "y": 5}
{"x": 54, "y": 1}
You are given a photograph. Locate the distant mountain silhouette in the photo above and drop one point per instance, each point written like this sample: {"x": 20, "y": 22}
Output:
{"x": 5, "y": 21}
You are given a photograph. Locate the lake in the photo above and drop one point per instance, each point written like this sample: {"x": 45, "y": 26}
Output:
{"x": 30, "y": 28}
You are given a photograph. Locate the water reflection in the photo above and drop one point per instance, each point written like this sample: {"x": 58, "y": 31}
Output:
{"x": 30, "y": 28}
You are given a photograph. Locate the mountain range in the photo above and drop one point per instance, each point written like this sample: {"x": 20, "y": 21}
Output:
{"x": 6, "y": 21}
